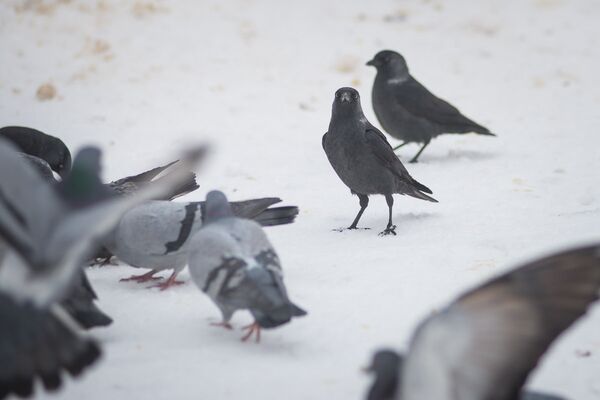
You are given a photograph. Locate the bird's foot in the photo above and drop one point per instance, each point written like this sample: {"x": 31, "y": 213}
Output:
{"x": 252, "y": 328}
{"x": 350, "y": 228}
{"x": 390, "y": 230}
{"x": 167, "y": 284}
{"x": 222, "y": 324}
{"x": 414, "y": 161}
{"x": 148, "y": 276}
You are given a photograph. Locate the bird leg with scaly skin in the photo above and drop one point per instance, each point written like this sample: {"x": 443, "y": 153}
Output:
{"x": 364, "y": 202}
{"x": 222, "y": 324}
{"x": 391, "y": 228}
{"x": 400, "y": 145}
{"x": 169, "y": 282}
{"x": 416, "y": 157}
{"x": 148, "y": 276}
{"x": 252, "y": 328}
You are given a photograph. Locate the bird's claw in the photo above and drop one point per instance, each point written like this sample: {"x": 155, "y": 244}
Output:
{"x": 390, "y": 230}
{"x": 167, "y": 284}
{"x": 225, "y": 325}
{"x": 350, "y": 228}
{"x": 252, "y": 328}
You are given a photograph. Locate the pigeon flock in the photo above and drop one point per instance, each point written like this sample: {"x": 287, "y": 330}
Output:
{"x": 57, "y": 216}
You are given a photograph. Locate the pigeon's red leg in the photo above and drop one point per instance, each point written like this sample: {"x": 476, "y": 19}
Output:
{"x": 148, "y": 276}
{"x": 252, "y": 328}
{"x": 169, "y": 282}
{"x": 222, "y": 324}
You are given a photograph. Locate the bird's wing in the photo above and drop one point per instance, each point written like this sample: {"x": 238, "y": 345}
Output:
{"x": 12, "y": 231}
{"x": 144, "y": 177}
{"x": 420, "y": 102}
{"x": 487, "y": 342}
{"x": 383, "y": 151}
{"x": 39, "y": 344}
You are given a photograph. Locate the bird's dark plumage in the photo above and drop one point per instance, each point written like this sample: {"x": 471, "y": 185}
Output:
{"x": 385, "y": 366}
{"x": 38, "y": 144}
{"x": 79, "y": 304}
{"x": 410, "y": 112}
{"x": 35, "y": 344}
{"x": 363, "y": 159}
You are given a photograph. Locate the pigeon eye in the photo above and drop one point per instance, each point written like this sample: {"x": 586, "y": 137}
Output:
{"x": 355, "y": 96}
{"x": 338, "y": 95}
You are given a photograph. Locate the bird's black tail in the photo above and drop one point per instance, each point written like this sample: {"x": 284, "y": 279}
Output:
{"x": 277, "y": 216}
{"x": 86, "y": 313}
{"x": 39, "y": 345}
{"x": 417, "y": 191}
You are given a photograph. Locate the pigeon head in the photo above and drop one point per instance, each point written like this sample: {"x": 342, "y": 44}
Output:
{"x": 217, "y": 206}
{"x": 346, "y": 101}
{"x": 83, "y": 186}
{"x": 385, "y": 366}
{"x": 391, "y": 62}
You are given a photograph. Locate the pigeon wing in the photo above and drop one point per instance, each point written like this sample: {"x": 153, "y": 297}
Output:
{"x": 486, "y": 343}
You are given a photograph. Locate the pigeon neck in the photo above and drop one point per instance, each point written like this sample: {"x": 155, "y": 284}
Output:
{"x": 215, "y": 212}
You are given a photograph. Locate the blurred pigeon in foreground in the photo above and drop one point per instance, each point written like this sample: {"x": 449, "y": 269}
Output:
{"x": 38, "y": 144}
{"x": 48, "y": 231}
{"x": 487, "y": 342}
{"x": 233, "y": 262}
{"x": 363, "y": 158}
{"x": 410, "y": 112}
{"x": 156, "y": 234}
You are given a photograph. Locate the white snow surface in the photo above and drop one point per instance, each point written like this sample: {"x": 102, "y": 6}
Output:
{"x": 256, "y": 79}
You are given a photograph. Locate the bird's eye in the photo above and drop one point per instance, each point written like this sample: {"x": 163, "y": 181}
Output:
{"x": 355, "y": 96}
{"x": 338, "y": 95}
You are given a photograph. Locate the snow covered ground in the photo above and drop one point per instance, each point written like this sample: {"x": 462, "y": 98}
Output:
{"x": 256, "y": 79}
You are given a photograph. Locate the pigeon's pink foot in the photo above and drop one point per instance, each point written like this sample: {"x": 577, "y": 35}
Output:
{"x": 169, "y": 282}
{"x": 252, "y": 328}
{"x": 223, "y": 324}
{"x": 148, "y": 276}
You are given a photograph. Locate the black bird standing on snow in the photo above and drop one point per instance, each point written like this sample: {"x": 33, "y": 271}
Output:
{"x": 410, "y": 112}
{"x": 363, "y": 159}
{"x": 38, "y": 144}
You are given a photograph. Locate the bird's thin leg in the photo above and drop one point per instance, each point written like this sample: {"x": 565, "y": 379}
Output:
{"x": 416, "y": 157}
{"x": 169, "y": 282}
{"x": 222, "y": 324}
{"x": 364, "y": 202}
{"x": 390, "y": 229}
{"x": 252, "y": 328}
{"x": 400, "y": 145}
{"x": 148, "y": 276}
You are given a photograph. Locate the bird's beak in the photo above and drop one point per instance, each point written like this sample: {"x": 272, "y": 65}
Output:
{"x": 367, "y": 370}
{"x": 346, "y": 97}
{"x": 371, "y": 63}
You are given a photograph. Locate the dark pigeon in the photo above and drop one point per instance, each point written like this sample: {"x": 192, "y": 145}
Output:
{"x": 408, "y": 111}
{"x": 79, "y": 303}
{"x": 485, "y": 344}
{"x": 38, "y": 144}
{"x": 364, "y": 160}
{"x": 233, "y": 262}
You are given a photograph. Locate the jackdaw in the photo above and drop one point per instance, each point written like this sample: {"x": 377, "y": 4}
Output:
{"x": 408, "y": 111}
{"x": 364, "y": 160}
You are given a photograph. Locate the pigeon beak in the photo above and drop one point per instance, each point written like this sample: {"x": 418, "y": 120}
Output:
{"x": 367, "y": 370}
{"x": 371, "y": 63}
{"x": 346, "y": 98}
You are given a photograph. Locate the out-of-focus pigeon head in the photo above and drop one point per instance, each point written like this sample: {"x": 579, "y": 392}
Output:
{"x": 217, "y": 206}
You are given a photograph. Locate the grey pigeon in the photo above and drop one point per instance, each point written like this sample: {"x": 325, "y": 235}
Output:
{"x": 233, "y": 262}
{"x": 156, "y": 235}
{"x": 38, "y": 144}
{"x": 364, "y": 160}
{"x": 485, "y": 344}
{"x": 408, "y": 111}
{"x": 47, "y": 232}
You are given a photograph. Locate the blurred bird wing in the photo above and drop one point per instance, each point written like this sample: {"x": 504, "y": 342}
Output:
{"x": 485, "y": 344}
{"x": 24, "y": 193}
